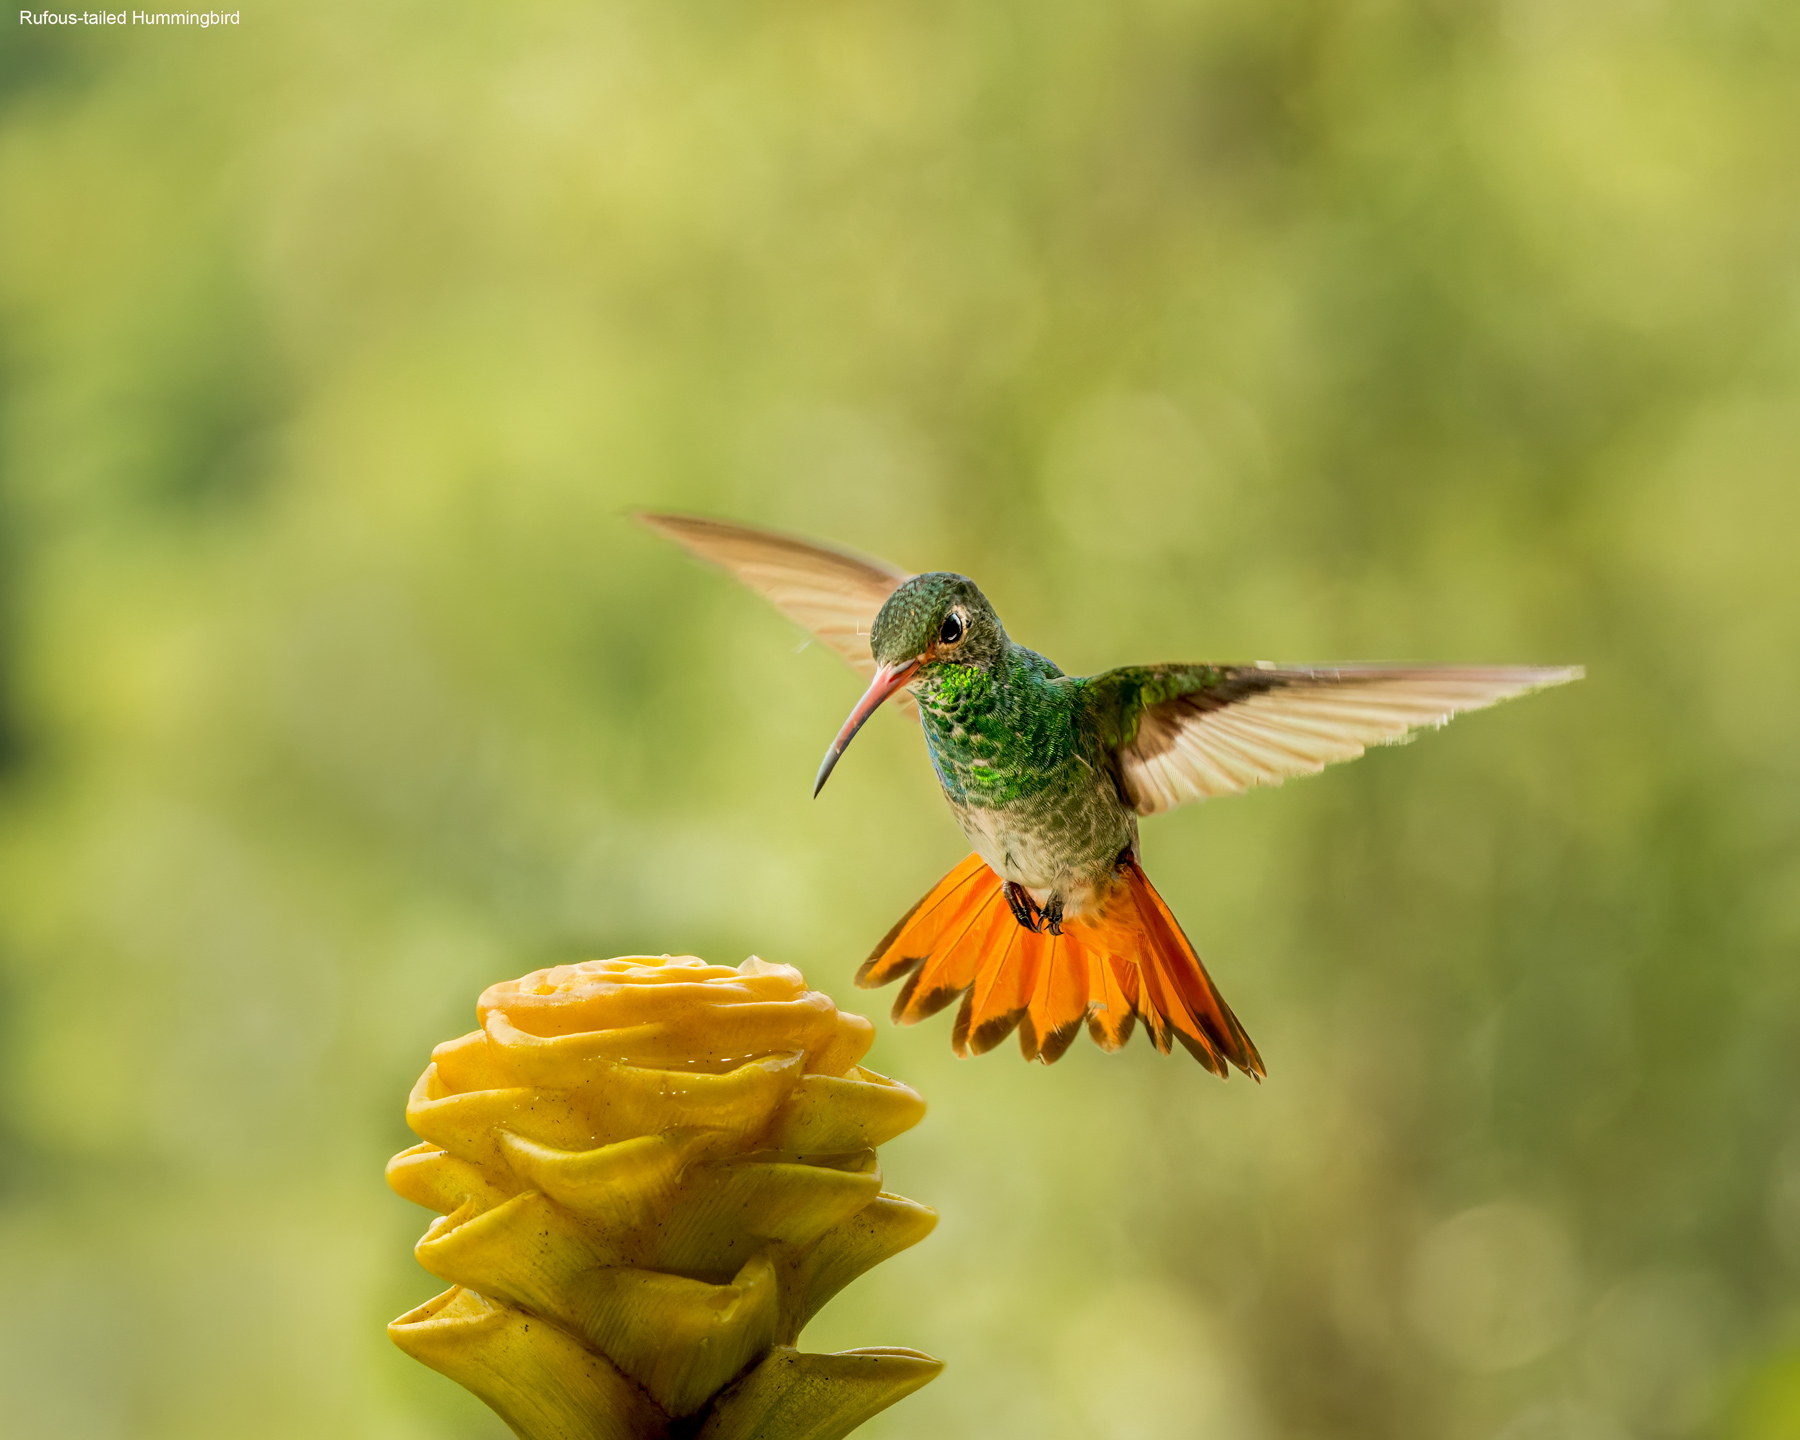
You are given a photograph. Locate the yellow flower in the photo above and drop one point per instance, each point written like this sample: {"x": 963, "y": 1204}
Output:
{"x": 651, "y": 1173}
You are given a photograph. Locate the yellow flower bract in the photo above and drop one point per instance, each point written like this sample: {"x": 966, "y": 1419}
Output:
{"x": 650, "y": 1172}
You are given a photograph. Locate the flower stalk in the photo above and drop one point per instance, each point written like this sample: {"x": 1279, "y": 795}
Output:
{"x": 650, "y": 1173}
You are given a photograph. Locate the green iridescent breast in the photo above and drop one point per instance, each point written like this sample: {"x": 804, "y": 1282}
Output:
{"x": 1001, "y": 735}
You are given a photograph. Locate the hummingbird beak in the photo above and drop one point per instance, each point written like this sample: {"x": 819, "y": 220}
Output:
{"x": 888, "y": 679}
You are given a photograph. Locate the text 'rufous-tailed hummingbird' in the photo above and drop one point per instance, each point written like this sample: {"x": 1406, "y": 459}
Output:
{"x": 1051, "y": 924}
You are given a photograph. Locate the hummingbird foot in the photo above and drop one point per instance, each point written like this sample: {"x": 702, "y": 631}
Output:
{"x": 1030, "y": 915}
{"x": 1023, "y": 907}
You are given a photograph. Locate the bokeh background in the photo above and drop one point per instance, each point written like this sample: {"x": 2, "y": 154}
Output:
{"x": 334, "y": 685}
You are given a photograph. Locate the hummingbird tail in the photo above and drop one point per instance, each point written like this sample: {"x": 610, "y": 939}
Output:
{"x": 1180, "y": 1002}
{"x": 1129, "y": 962}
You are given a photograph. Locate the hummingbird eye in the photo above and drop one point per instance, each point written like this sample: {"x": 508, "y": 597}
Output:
{"x": 952, "y": 629}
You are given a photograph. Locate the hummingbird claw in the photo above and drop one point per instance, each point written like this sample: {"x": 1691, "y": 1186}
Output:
{"x": 1023, "y": 907}
{"x": 1030, "y": 915}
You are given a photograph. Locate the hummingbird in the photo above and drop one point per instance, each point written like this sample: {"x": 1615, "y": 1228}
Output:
{"x": 1051, "y": 924}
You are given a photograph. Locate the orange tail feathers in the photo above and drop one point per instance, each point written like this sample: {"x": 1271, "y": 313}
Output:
{"x": 1131, "y": 962}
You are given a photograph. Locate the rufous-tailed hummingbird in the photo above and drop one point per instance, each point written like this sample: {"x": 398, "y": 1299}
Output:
{"x": 1051, "y": 923}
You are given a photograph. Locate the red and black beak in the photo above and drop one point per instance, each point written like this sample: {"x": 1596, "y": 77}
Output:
{"x": 888, "y": 679}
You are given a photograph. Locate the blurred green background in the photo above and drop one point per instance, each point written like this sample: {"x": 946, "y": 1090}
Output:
{"x": 334, "y": 686}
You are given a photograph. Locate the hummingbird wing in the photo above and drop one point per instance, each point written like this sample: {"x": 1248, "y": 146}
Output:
{"x": 1190, "y": 732}
{"x": 834, "y": 593}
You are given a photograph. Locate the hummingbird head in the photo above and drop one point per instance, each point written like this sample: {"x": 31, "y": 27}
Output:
{"x": 929, "y": 623}
{"x": 936, "y": 619}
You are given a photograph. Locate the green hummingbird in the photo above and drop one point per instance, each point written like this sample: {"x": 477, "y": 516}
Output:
{"x": 1052, "y": 924}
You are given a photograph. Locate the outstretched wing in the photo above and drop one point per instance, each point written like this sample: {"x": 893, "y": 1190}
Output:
{"x": 1190, "y": 732}
{"x": 834, "y": 593}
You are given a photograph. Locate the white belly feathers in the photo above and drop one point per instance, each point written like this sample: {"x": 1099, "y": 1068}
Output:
{"x": 1014, "y": 854}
